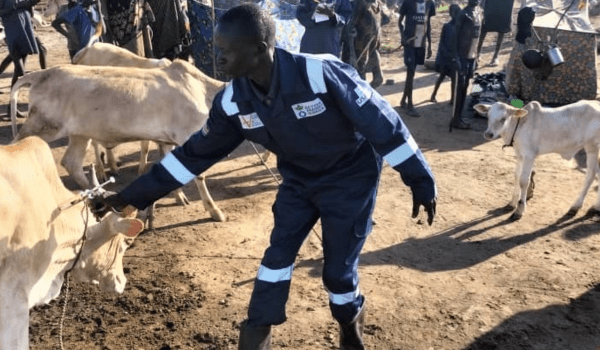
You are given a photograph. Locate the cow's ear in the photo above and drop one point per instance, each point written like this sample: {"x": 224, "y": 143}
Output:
{"x": 520, "y": 113}
{"x": 130, "y": 227}
{"x": 482, "y": 109}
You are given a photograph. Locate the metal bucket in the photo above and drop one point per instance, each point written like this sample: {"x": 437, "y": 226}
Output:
{"x": 555, "y": 56}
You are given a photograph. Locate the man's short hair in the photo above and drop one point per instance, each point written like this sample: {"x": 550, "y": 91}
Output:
{"x": 250, "y": 20}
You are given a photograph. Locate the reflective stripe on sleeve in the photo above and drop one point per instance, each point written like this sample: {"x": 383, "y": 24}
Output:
{"x": 267, "y": 275}
{"x": 314, "y": 69}
{"x": 402, "y": 152}
{"x": 228, "y": 105}
{"x": 342, "y": 299}
{"x": 176, "y": 169}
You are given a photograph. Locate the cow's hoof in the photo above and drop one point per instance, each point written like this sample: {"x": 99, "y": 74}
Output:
{"x": 515, "y": 216}
{"x": 572, "y": 212}
{"x": 592, "y": 212}
{"x": 218, "y": 216}
{"x": 376, "y": 83}
{"x": 507, "y": 208}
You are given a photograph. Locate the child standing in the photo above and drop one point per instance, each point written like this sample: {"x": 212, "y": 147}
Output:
{"x": 443, "y": 60}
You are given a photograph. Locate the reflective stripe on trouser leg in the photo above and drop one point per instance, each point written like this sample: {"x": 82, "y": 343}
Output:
{"x": 294, "y": 216}
{"x": 346, "y": 220}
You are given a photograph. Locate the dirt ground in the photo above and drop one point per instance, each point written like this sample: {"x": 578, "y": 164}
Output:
{"x": 472, "y": 281}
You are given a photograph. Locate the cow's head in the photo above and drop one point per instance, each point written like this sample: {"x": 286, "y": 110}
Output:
{"x": 499, "y": 116}
{"x": 101, "y": 260}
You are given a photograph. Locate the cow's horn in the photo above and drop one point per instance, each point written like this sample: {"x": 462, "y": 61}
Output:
{"x": 95, "y": 182}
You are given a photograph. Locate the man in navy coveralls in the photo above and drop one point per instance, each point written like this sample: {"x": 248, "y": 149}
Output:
{"x": 330, "y": 131}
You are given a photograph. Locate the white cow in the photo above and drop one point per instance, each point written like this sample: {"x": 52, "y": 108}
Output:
{"x": 534, "y": 130}
{"x": 113, "y": 105}
{"x": 39, "y": 242}
{"x": 102, "y": 54}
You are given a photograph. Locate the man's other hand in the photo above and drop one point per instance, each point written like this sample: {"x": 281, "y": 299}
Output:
{"x": 429, "y": 209}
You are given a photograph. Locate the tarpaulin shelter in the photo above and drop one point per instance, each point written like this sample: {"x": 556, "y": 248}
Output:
{"x": 203, "y": 16}
{"x": 574, "y": 35}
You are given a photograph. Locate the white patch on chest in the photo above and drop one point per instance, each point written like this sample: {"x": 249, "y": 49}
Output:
{"x": 250, "y": 121}
{"x": 309, "y": 109}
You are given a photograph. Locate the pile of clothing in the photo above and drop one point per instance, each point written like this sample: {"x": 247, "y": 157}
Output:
{"x": 488, "y": 89}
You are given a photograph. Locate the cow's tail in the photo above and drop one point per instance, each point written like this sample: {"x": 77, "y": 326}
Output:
{"x": 26, "y": 80}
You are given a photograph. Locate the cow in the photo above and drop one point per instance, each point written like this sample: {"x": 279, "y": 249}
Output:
{"x": 45, "y": 233}
{"x": 113, "y": 105}
{"x": 362, "y": 39}
{"x": 102, "y": 54}
{"x": 534, "y": 130}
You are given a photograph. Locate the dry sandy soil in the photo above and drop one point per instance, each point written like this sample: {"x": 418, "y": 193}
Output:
{"x": 473, "y": 280}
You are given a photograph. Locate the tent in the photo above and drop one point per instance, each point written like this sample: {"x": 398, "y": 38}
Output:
{"x": 574, "y": 35}
{"x": 289, "y": 30}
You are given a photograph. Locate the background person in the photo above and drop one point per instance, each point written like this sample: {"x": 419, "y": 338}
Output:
{"x": 82, "y": 18}
{"x": 324, "y": 22}
{"x": 497, "y": 17}
{"x": 443, "y": 59}
{"x": 464, "y": 54}
{"x": 414, "y": 34}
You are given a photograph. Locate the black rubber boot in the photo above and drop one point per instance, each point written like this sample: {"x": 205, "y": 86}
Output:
{"x": 351, "y": 334}
{"x": 254, "y": 338}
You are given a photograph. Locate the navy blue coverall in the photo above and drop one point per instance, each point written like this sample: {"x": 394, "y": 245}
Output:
{"x": 328, "y": 128}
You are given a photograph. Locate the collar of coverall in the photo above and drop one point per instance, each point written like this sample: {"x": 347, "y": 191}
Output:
{"x": 289, "y": 80}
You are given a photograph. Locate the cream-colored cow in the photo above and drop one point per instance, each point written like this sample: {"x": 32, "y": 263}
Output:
{"x": 113, "y": 105}
{"x": 535, "y": 130}
{"x": 39, "y": 242}
{"x": 102, "y": 54}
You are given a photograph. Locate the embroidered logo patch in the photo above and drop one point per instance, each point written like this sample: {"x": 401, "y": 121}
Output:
{"x": 250, "y": 121}
{"x": 309, "y": 109}
{"x": 363, "y": 96}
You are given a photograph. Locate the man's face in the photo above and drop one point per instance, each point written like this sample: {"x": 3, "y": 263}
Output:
{"x": 237, "y": 54}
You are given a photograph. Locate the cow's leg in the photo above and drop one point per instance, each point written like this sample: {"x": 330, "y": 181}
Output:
{"x": 524, "y": 176}
{"x": 592, "y": 168}
{"x": 145, "y": 150}
{"x": 207, "y": 200}
{"x": 112, "y": 161}
{"x": 100, "y": 171}
{"x": 375, "y": 64}
{"x": 14, "y": 323}
{"x": 516, "y": 189}
{"x": 72, "y": 160}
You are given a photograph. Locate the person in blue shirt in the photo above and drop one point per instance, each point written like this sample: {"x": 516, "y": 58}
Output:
{"x": 83, "y": 18}
{"x": 323, "y": 22}
{"x": 330, "y": 131}
{"x": 415, "y": 33}
{"x": 443, "y": 59}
